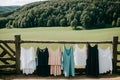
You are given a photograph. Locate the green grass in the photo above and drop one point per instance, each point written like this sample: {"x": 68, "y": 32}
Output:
{"x": 59, "y": 33}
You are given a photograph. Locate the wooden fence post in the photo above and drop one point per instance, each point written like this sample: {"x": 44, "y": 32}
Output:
{"x": 17, "y": 54}
{"x": 115, "y": 42}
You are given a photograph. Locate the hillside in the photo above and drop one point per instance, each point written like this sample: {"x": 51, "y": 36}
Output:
{"x": 74, "y": 13}
{"x": 7, "y": 8}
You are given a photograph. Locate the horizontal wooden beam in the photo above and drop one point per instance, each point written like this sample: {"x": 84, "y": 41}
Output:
{"x": 58, "y": 41}
{"x": 4, "y": 61}
{"x": 80, "y": 70}
{"x": 7, "y": 41}
{"x": 1, "y": 58}
{"x": 66, "y": 41}
{"x": 118, "y": 52}
{"x": 118, "y": 60}
{"x": 118, "y": 67}
{"x": 7, "y": 71}
{"x": 54, "y": 41}
{"x": 8, "y": 65}
{"x": 118, "y": 42}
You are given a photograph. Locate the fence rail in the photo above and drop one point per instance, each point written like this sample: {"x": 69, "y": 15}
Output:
{"x": 118, "y": 42}
{"x": 18, "y": 41}
{"x": 58, "y": 41}
{"x": 65, "y": 41}
{"x": 7, "y": 41}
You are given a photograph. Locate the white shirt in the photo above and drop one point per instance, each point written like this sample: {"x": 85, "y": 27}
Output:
{"x": 27, "y": 61}
{"x": 105, "y": 60}
{"x": 80, "y": 56}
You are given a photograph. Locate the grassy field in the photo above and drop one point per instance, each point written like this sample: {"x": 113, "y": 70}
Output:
{"x": 59, "y": 33}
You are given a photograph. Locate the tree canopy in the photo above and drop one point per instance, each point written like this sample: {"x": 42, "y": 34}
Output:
{"x": 64, "y": 13}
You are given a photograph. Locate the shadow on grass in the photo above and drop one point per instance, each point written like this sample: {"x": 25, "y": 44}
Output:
{"x": 93, "y": 27}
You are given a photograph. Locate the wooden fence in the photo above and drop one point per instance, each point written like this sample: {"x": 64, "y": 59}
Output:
{"x": 14, "y": 55}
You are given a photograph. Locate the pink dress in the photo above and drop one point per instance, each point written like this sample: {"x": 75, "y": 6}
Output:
{"x": 55, "y": 61}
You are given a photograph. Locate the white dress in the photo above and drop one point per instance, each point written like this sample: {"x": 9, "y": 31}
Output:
{"x": 27, "y": 61}
{"x": 105, "y": 60}
{"x": 80, "y": 56}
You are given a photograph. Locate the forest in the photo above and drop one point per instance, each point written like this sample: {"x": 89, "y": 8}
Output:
{"x": 8, "y": 8}
{"x": 63, "y": 13}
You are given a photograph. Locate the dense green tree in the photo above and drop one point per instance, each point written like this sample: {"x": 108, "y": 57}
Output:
{"x": 70, "y": 17}
{"x": 77, "y": 16}
{"x": 49, "y": 23}
{"x": 85, "y": 20}
{"x": 40, "y": 22}
{"x": 3, "y": 22}
{"x": 63, "y": 13}
{"x": 74, "y": 24}
{"x": 63, "y": 22}
{"x": 35, "y": 22}
{"x": 9, "y": 25}
{"x": 113, "y": 23}
{"x": 115, "y": 16}
{"x": 118, "y": 22}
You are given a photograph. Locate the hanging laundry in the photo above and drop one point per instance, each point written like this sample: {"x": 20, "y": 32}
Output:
{"x": 27, "y": 61}
{"x": 80, "y": 56}
{"x": 92, "y": 67}
{"x": 43, "y": 69}
{"x": 105, "y": 60}
{"x": 68, "y": 62}
{"x": 55, "y": 61}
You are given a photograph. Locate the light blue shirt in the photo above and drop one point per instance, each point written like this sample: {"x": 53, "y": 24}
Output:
{"x": 68, "y": 62}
